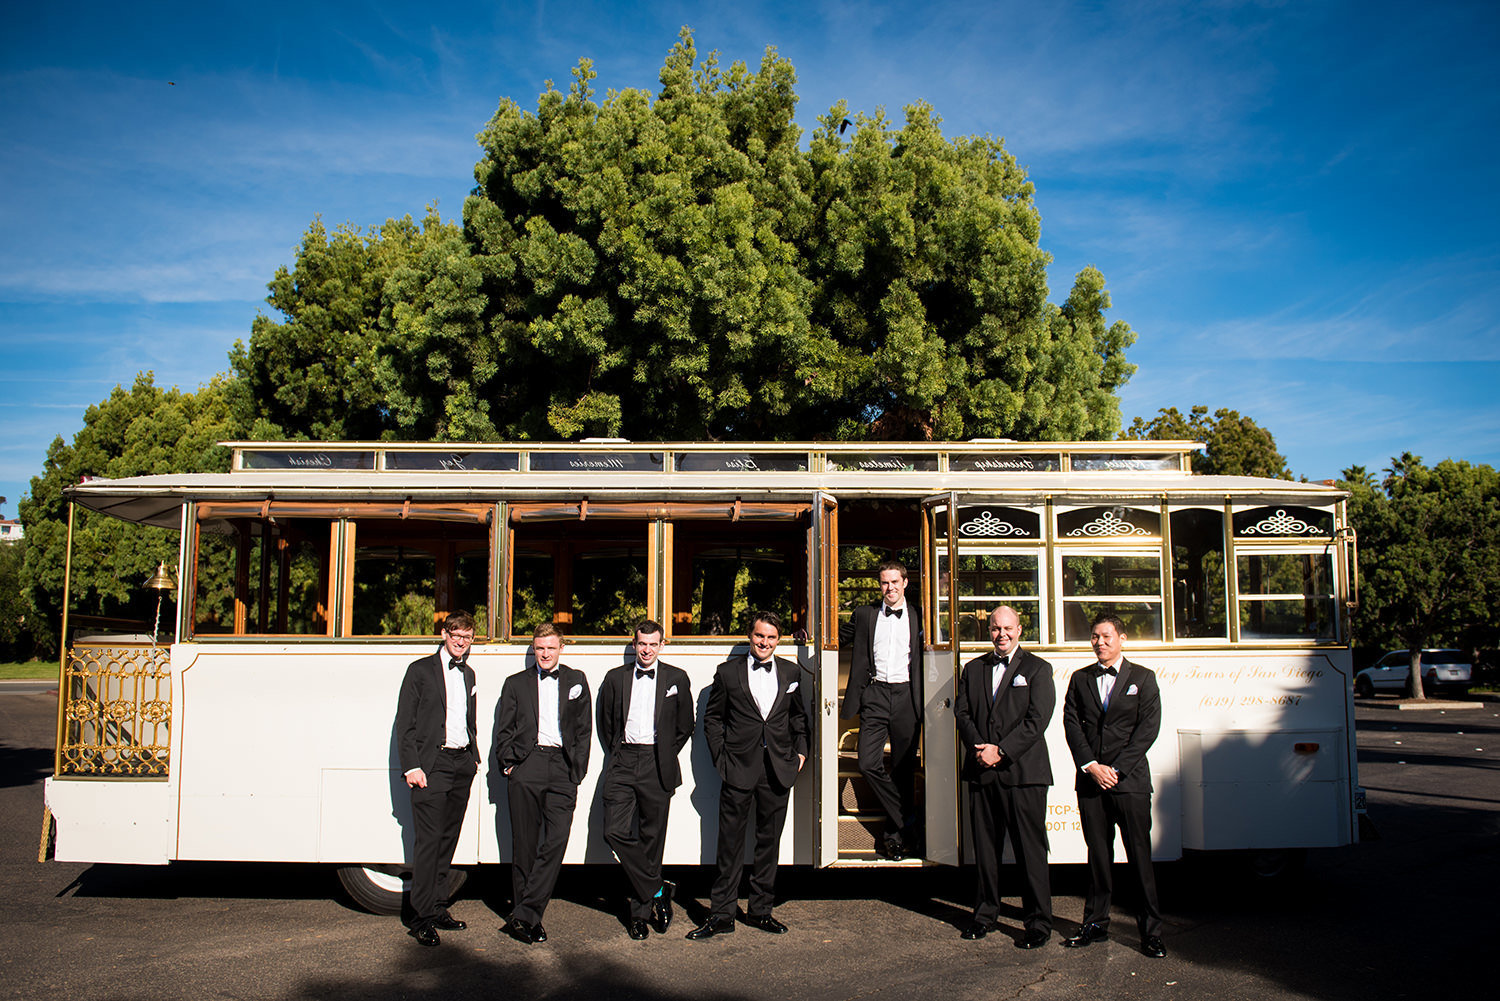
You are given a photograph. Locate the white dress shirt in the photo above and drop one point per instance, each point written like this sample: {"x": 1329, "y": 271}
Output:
{"x": 456, "y": 729}
{"x": 548, "y": 728}
{"x": 640, "y": 721}
{"x": 892, "y": 645}
{"x": 763, "y": 685}
{"x": 997, "y": 670}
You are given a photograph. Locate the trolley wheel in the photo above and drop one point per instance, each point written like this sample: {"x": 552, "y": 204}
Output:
{"x": 382, "y": 889}
{"x": 1273, "y": 865}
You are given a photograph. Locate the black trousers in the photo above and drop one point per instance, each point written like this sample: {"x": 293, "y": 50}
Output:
{"x": 635, "y": 820}
{"x": 767, "y": 799}
{"x": 886, "y": 713}
{"x": 994, "y": 810}
{"x": 1101, "y": 813}
{"x": 437, "y": 814}
{"x": 542, "y": 798}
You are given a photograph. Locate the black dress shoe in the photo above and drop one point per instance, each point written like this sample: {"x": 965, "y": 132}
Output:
{"x": 1153, "y": 948}
{"x": 975, "y": 930}
{"x": 538, "y": 933}
{"x": 447, "y": 922}
{"x": 519, "y": 930}
{"x": 425, "y": 934}
{"x": 1088, "y": 933}
{"x": 637, "y": 929}
{"x": 765, "y": 923}
{"x": 1034, "y": 939}
{"x": 661, "y": 908}
{"x": 712, "y": 927}
{"x": 893, "y": 848}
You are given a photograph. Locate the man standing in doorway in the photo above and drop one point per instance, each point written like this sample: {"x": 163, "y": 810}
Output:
{"x": 756, "y": 725}
{"x": 645, "y": 720}
{"x": 542, "y": 742}
{"x": 1005, "y": 700}
{"x": 885, "y": 692}
{"x": 435, "y": 740}
{"x": 1111, "y": 716}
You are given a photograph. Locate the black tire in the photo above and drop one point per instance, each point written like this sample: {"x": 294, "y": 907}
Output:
{"x": 1274, "y": 865}
{"x": 382, "y": 889}
{"x": 1363, "y": 688}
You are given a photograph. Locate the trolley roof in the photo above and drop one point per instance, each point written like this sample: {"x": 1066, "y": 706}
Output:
{"x": 619, "y": 471}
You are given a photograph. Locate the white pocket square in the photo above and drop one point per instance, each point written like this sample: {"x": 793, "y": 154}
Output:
{"x": 1132, "y": 690}
{"x": 1019, "y": 682}
{"x": 575, "y": 691}
{"x": 670, "y": 692}
{"x": 792, "y": 687}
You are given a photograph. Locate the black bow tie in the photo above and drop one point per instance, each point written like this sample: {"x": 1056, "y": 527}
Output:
{"x": 1108, "y": 670}
{"x": 645, "y": 672}
{"x": 544, "y": 674}
{"x": 761, "y": 665}
{"x": 894, "y": 611}
{"x": 456, "y": 662}
{"x": 1002, "y": 659}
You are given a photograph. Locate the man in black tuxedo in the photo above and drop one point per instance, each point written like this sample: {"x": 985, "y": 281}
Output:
{"x": 645, "y": 720}
{"x": 885, "y": 692}
{"x": 1005, "y": 700}
{"x": 756, "y": 725}
{"x": 435, "y": 740}
{"x": 542, "y": 737}
{"x": 1111, "y": 716}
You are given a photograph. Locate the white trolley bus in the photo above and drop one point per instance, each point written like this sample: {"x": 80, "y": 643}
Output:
{"x": 260, "y": 726}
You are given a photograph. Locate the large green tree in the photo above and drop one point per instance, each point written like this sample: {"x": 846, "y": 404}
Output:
{"x": 139, "y": 431}
{"x": 676, "y": 265}
{"x": 1236, "y": 445}
{"x": 1429, "y": 553}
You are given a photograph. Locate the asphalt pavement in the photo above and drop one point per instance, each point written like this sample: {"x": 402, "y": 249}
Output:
{"x": 1404, "y": 915}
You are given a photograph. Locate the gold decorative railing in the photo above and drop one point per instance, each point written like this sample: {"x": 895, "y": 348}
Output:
{"x": 116, "y": 712}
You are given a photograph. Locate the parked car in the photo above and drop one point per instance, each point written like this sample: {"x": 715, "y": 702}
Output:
{"x": 1449, "y": 670}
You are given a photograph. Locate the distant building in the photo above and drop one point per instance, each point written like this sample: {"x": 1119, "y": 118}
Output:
{"x": 11, "y": 531}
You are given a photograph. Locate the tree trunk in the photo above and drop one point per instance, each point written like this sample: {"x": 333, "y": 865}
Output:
{"x": 1414, "y": 679}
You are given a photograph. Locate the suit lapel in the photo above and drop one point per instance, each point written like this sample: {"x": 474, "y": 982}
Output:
{"x": 659, "y": 716}
{"x": 1120, "y": 686}
{"x": 1007, "y": 678}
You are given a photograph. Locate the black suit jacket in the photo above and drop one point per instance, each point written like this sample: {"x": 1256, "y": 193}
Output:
{"x": 674, "y": 715}
{"x": 422, "y": 713}
{"x": 739, "y": 740}
{"x": 861, "y": 632}
{"x": 1016, "y": 721}
{"x": 1118, "y": 737}
{"x": 516, "y": 725}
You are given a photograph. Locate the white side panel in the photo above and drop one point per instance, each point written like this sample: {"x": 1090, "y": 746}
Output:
{"x": 287, "y": 753}
{"x": 940, "y": 758}
{"x": 111, "y": 820}
{"x": 826, "y": 758}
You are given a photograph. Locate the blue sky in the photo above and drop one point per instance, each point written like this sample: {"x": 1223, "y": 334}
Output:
{"x": 1293, "y": 203}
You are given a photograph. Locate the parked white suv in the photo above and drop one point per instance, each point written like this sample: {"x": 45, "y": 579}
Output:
{"x": 1441, "y": 669}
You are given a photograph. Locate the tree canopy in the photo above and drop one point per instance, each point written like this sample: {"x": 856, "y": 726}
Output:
{"x": 677, "y": 265}
{"x": 1429, "y": 548}
{"x": 1236, "y": 445}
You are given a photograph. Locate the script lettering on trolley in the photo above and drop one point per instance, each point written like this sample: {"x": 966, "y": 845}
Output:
{"x": 1015, "y": 462}
{"x": 605, "y": 462}
{"x": 865, "y": 463}
{"x": 319, "y": 461}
